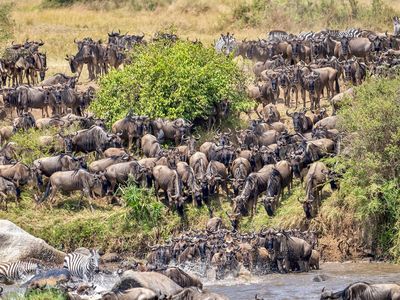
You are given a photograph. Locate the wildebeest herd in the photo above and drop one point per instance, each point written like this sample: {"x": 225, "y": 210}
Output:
{"x": 241, "y": 166}
{"x": 226, "y": 252}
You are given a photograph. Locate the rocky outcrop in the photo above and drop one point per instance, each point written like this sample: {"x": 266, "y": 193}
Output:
{"x": 16, "y": 244}
{"x": 156, "y": 282}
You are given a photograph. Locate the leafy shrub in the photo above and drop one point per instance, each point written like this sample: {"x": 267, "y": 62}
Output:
{"x": 46, "y": 294}
{"x": 371, "y": 184}
{"x": 144, "y": 208}
{"x": 171, "y": 80}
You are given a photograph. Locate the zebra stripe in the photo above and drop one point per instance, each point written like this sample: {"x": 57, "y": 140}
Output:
{"x": 350, "y": 33}
{"x": 82, "y": 266}
{"x": 306, "y": 35}
{"x": 17, "y": 270}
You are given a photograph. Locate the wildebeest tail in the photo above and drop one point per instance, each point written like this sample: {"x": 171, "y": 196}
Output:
{"x": 18, "y": 192}
{"x": 337, "y": 87}
{"x": 46, "y": 193}
{"x": 39, "y": 179}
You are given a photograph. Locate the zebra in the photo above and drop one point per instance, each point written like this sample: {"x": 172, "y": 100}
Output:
{"x": 350, "y": 33}
{"x": 275, "y": 35}
{"x": 82, "y": 266}
{"x": 17, "y": 270}
{"x": 396, "y": 26}
{"x": 225, "y": 44}
{"x": 306, "y": 36}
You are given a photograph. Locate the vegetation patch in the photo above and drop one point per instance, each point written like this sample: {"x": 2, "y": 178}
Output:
{"x": 171, "y": 80}
{"x": 6, "y": 23}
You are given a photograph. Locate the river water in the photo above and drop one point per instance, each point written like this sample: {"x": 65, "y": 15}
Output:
{"x": 287, "y": 286}
{"x": 302, "y": 286}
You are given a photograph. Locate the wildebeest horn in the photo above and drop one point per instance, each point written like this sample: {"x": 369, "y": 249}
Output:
{"x": 289, "y": 114}
{"x": 75, "y": 41}
{"x": 302, "y": 136}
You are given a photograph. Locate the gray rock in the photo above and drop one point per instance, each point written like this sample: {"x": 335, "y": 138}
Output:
{"x": 16, "y": 244}
{"x": 156, "y": 282}
{"x": 320, "y": 278}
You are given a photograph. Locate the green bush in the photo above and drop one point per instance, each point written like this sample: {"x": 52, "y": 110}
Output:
{"x": 47, "y": 294}
{"x": 143, "y": 206}
{"x": 171, "y": 80}
{"x": 371, "y": 184}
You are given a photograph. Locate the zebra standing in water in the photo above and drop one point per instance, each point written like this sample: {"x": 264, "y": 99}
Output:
{"x": 17, "y": 270}
{"x": 82, "y": 266}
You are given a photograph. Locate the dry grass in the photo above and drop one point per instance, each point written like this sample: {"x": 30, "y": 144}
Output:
{"x": 195, "y": 19}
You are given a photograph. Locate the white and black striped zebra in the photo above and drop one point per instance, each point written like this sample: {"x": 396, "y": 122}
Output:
{"x": 396, "y": 26}
{"x": 350, "y": 33}
{"x": 17, "y": 270}
{"x": 82, "y": 266}
{"x": 225, "y": 44}
{"x": 306, "y": 36}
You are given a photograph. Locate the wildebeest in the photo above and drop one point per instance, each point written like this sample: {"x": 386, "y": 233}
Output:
{"x": 24, "y": 122}
{"x": 240, "y": 169}
{"x": 216, "y": 175}
{"x": 92, "y": 139}
{"x": 59, "y": 78}
{"x": 315, "y": 178}
{"x": 48, "y": 165}
{"x": 78, "y": 180}
{"x": 18, "y": 173}
{"x": 150, "y": 146}
{"x": 193, "y": 189}
{"x": 301, "y": 122}
{"x": 7, "y": 189}
{"x": 29, "y": 97}
{"x": 214, "y": 224}
{"x": 168, "y": 180}
{"x": 365, "y": 291}
{"x": 199, "y": 162}
{"x": 182, "y": 278}
{"x": 102, "y": 164}
{"x": 121, "y": 172}
{"x": 256, "y": 183}
{"x": 171, "y": 130}
{"x": 131, "y": 129}
{"x": 290, "y": 250}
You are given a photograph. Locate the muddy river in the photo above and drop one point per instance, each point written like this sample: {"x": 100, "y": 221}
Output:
{"x": 286, "y": 286}
{"x": 302, "y": 286}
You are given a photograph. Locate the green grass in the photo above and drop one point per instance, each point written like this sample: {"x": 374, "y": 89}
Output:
{"x": 47, "y": 294}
